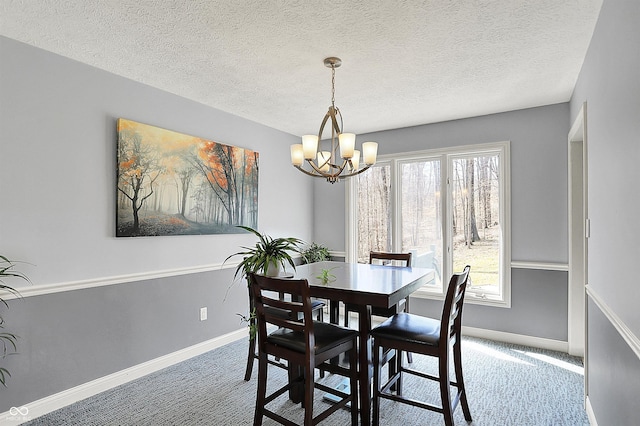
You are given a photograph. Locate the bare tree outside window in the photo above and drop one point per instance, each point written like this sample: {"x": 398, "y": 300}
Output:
{"x": 374, "y": 211}
{"x": 421, "y": 214}
{"x": 475, "y": 187}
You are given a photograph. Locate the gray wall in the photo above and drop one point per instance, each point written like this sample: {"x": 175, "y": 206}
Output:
{"x": 610, "y": 85}
{"x": 57, "y": 180}
{"x": 538, "y": 210}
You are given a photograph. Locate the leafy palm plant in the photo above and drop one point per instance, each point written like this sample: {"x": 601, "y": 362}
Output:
{"x": 266, "y": 254}
{"x": 8, "y": 341}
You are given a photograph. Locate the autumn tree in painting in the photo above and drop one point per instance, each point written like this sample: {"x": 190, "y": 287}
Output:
{"x": 232, "y": 176}
{"x": 138, "y": 169}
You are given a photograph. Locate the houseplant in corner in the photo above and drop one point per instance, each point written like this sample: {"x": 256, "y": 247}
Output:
{"x": 8, "y": 341}
{"x": 267, "y": 257}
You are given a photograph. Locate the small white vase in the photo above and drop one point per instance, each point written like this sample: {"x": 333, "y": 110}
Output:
{"x": 273, "y": 270}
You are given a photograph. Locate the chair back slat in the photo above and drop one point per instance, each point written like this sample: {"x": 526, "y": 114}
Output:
{"x": 394, "y": 259}
{"x": 283, "y": 312}
{"x": 451, "y": 321}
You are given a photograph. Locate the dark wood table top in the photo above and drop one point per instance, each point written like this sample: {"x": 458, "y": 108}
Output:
{"x": 364, "y": 284}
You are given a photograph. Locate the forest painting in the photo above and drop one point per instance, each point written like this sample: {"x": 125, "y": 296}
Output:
{"x": 175, "y": 184}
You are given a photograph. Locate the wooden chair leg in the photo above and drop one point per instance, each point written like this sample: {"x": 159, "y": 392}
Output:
{"x": 320, "y": 318}
{"x": 377, "y": 371}
{"x": 457, "y": 364}
{"x": 406, "y": 309}
{"x": 250, "y": 357}
{"x": 262, "y": 390}
{"x": 398, "y": 367}
{"x": 353, "y": 367}
{"x": 443, "y": 367}
{"x": 308, "y": 394}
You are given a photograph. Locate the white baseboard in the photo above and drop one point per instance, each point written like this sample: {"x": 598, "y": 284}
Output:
{"x": 19, "y": 415}
{"x": 86, "y": 390}
{"x": 518, "y": 339}
{"x": 590, "y": 414}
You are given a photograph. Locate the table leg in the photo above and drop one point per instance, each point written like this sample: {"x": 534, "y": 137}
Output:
{"x": 296, "y": 393}
{"x": 334, "y": 312}
{"x": 364, "y": 364}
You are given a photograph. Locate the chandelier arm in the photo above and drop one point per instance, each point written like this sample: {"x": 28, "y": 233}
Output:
{"x": 334, "y": 120}
{"x": 324, "y": 121}
{"x": 331, "y": 177}
{"x": 318, "y": 173}
{"x": 339, "y": 168}
{"x": 316, "y": 168}
{"x": 355, "y": 173}
{"x": 308, "y": 172}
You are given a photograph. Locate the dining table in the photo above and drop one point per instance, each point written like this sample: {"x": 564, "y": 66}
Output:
{"x": 365, "y": 286}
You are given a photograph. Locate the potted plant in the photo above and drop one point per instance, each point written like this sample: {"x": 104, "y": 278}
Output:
{"x": 8, "y": 341}
{"x": 315, "y": 253}
{"x": 267, "y": 256}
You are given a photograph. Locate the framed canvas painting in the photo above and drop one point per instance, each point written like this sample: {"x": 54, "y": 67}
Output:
{"x": 170, "y": 183}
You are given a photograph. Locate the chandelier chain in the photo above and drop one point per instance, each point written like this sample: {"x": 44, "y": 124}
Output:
{"x": 333, "y": 86}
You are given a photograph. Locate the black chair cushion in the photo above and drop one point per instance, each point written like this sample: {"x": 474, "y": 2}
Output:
{"x": 409, "y": 328}
{"x": 327, "y": 336}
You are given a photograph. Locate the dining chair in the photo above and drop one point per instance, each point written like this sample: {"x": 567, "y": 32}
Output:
{"x": 317, "y": 307}
{"x": 427, "y": 336}
{"x": 391, "y": 259}
{"x": 305, "y": 344}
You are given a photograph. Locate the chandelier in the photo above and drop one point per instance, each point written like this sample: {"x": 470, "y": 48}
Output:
{"x": 341, "y": 159}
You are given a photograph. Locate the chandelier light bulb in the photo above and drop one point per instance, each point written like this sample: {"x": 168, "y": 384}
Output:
{"x": 347, "y": 144}
{"x": 309, "y": 146}
{"x": 297, "y": 155}
{"x": 370, "y": 152}
{"x": 355, "y": 160}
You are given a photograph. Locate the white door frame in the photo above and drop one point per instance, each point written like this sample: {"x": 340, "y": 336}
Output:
{"x": 578, "y": 225}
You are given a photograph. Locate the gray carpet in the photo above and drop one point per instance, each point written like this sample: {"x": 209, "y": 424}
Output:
{"x": 506, "y": 384}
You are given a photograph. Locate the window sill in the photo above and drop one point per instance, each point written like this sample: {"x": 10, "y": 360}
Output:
{"x": 470, "y": 297}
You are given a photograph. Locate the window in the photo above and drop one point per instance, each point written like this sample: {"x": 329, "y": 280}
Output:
{"x": 449, "y": 208}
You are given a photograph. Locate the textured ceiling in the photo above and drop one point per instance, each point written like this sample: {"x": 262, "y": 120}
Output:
{"x": 404, "y": 62}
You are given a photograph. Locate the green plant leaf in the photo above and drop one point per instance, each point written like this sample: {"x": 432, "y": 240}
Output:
{"x": 3, "y": 376}
{"x": 8, "y": 341}
{"x": 267, "y": 251}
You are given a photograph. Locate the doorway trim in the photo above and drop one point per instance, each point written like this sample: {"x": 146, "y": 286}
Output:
{"x": 578, "y": 225}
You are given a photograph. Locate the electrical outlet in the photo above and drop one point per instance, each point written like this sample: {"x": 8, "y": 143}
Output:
{"x": 203, "y": 314}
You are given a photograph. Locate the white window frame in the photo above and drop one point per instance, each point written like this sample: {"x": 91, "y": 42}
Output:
{"x": 446, "y": 156}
